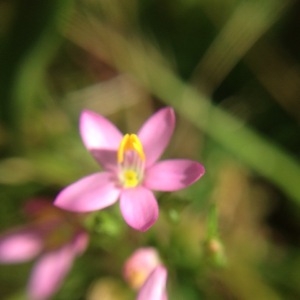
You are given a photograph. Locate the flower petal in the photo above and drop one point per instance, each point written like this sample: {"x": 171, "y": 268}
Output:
{"x": 140, "y": 265}
{"x": 20, "y": 245}
{"x": 106, "y": 158}
{"x": 155, "y": 286}
{"x": 90, "y": 193}
{"x": 49, "y": 272}
{"x": 172, "y": 175}
{"x": 100, "y": 136}
{"x": 139, "y": 208}
{"x": 156, "y": 133}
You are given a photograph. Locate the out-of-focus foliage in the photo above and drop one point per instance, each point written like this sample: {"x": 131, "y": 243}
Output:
{"x": 231, "y": 71}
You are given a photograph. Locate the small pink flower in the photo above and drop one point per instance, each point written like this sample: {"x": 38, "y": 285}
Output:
{"x": 54, "y": 242}
{"x": 155, "y": 286}
{"x": 144, "y": 272}
{"x": 131, "y": 169}
{"x": 140, "y": 265}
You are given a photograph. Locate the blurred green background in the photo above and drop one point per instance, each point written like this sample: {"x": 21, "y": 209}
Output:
{"x": 231, "y": 70}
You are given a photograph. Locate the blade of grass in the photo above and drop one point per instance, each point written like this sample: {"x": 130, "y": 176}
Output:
{"x": 235, "y": 38}
{"x": 26, "y": 54}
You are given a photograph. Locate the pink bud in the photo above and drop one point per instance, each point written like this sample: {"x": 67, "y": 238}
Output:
{"x": 140, "y": 265}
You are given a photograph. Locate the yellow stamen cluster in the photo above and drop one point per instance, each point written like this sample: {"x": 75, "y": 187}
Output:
{"x": 131, "y": 158}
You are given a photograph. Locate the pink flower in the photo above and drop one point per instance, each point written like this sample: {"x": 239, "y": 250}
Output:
{"x": 155, "y": 285}
{"x": 144, "y": 272}
{"x": 131, "y": 170}
{"x": 54, "y": 242}
{"x": 140, "y": 265}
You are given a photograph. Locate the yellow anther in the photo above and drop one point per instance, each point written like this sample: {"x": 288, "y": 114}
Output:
{"x": 130, "y": 142}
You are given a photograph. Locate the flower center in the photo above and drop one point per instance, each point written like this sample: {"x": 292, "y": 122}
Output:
{"x": 131, "y": 178}
{"x": 131, "y": 161}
